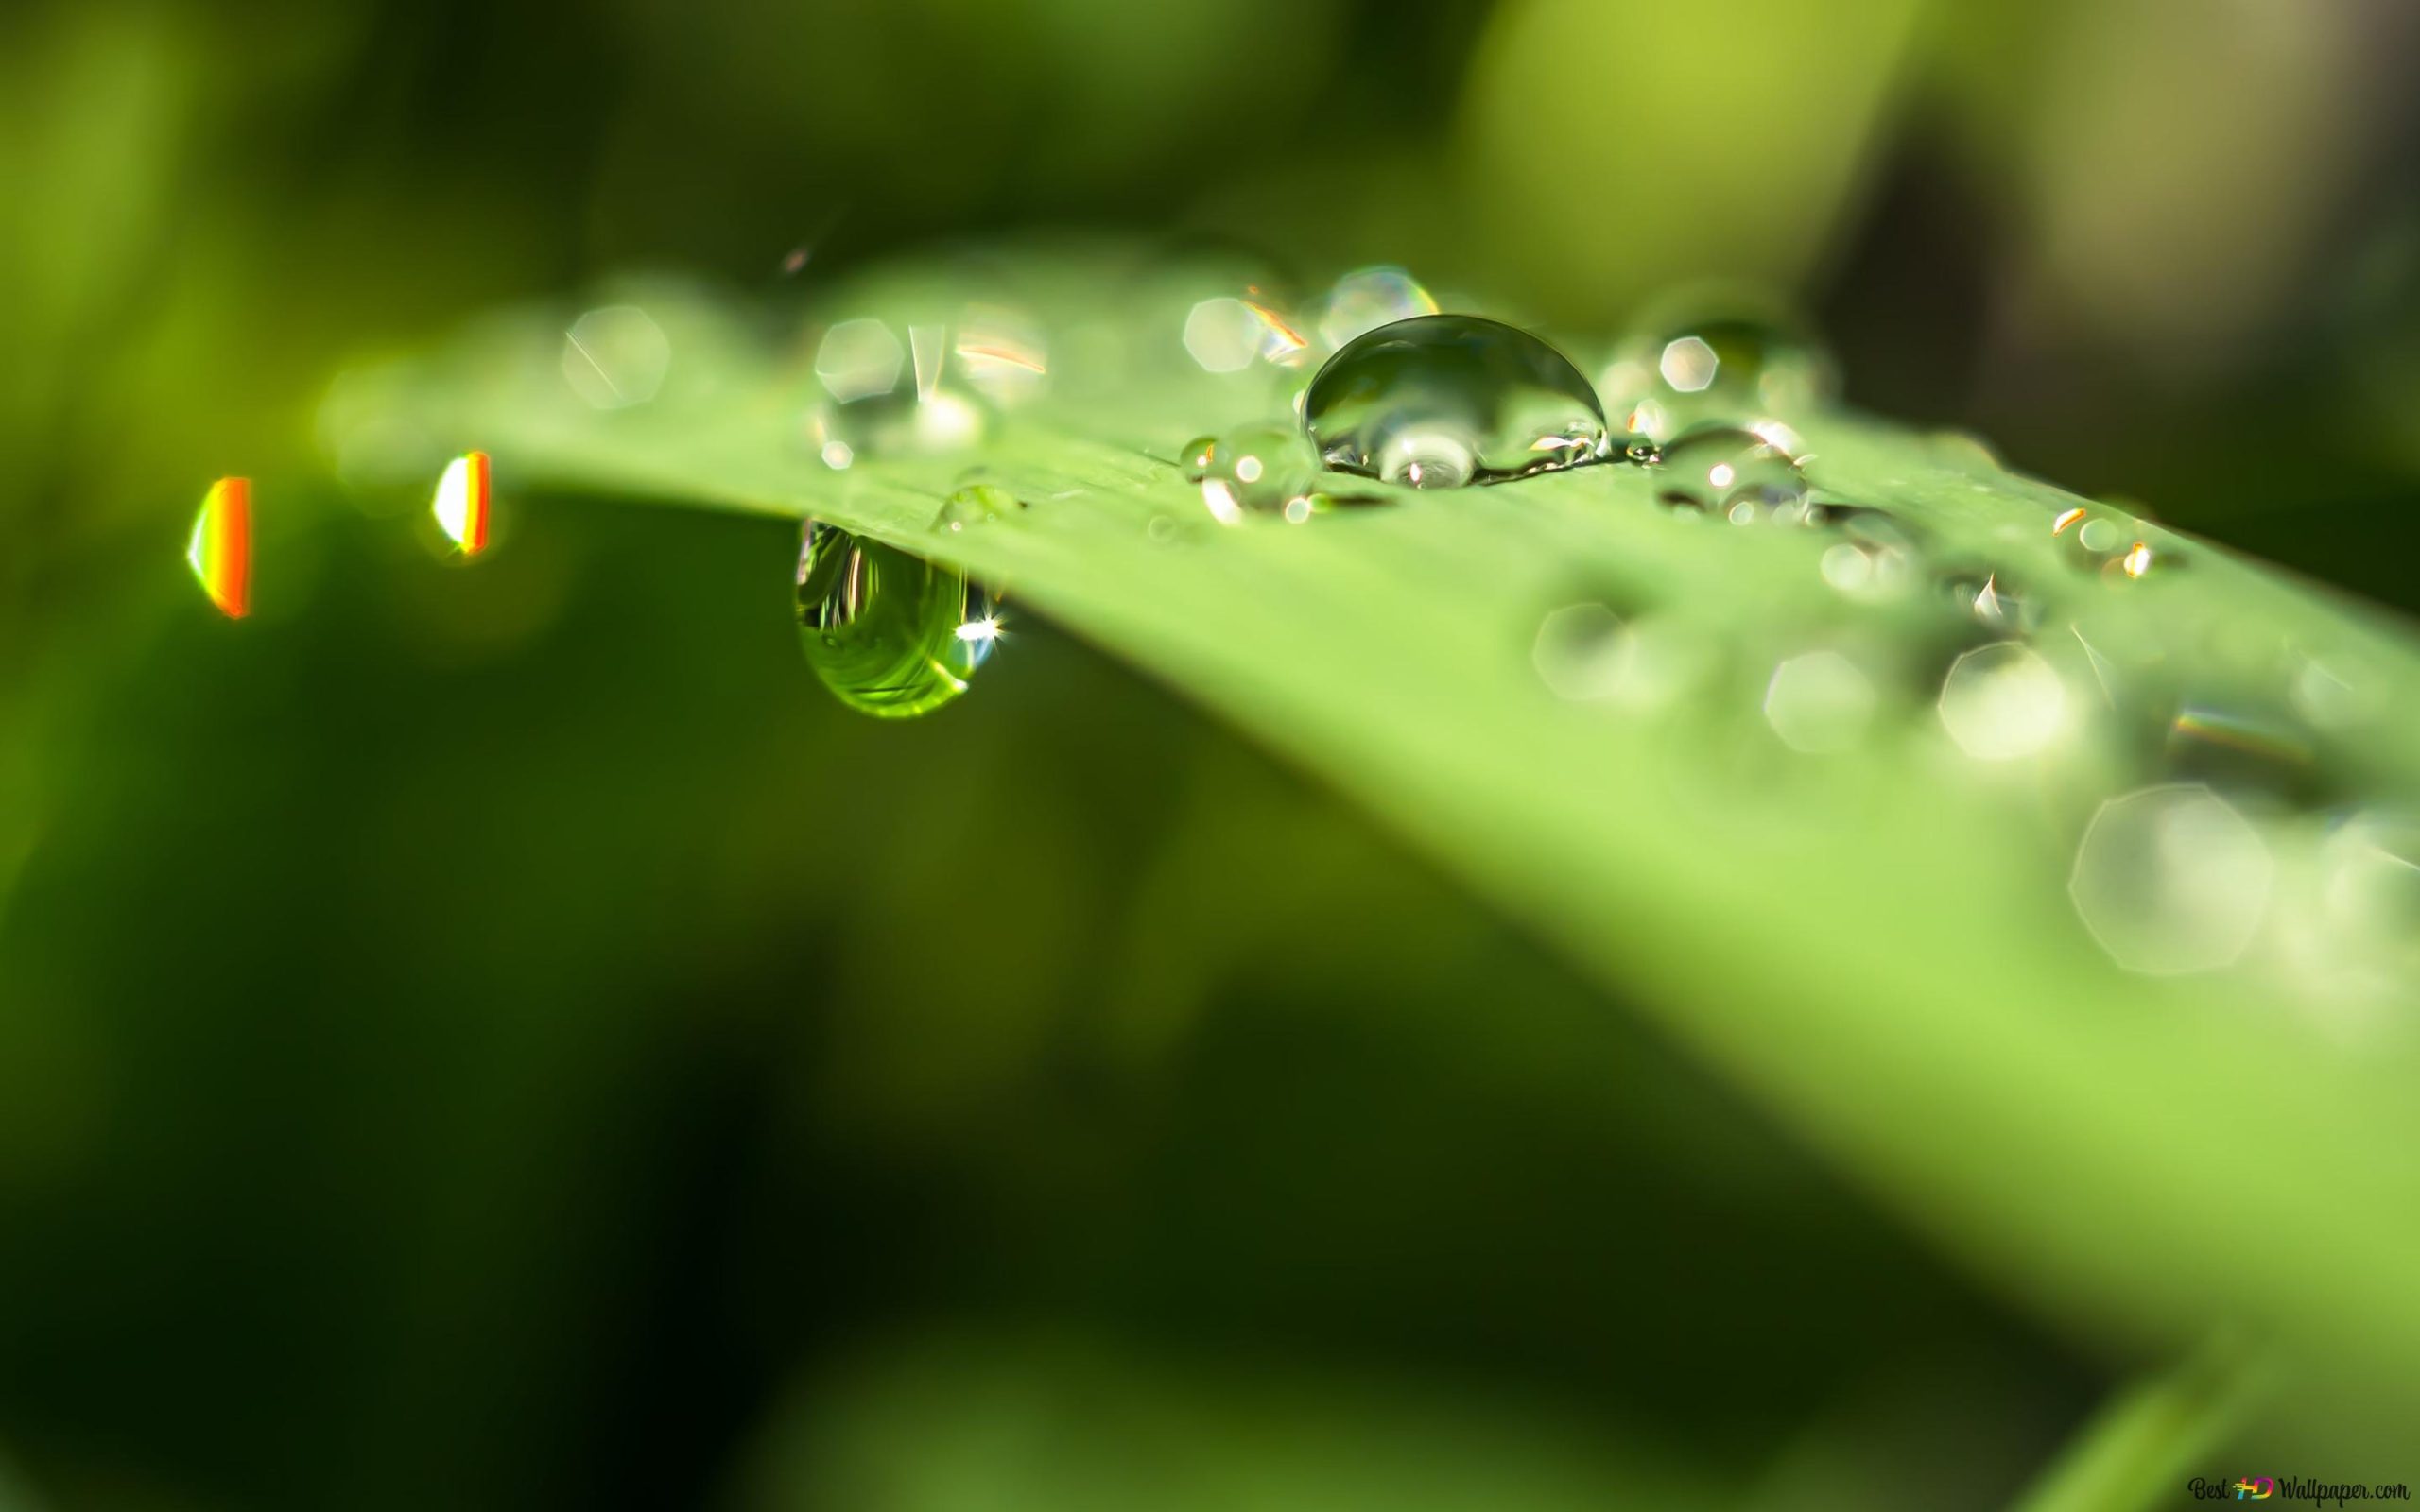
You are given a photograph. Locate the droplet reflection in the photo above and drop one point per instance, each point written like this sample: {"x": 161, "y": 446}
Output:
{"x": 892, "y": 635}
{"x": 220, "y": 551}
{"x": 463, "y": 496}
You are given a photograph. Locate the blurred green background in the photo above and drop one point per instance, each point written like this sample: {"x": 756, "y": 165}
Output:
{"x": 505, "y": 1038}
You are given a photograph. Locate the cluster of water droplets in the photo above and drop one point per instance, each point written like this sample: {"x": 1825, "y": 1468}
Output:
{"x": 2213, "y": 815}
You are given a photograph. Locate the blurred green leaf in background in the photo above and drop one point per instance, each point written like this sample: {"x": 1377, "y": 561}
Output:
{"x": 501, "y": 1036}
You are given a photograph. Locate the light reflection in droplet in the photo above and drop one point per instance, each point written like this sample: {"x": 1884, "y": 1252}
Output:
{"x": 2059, "y": 525}
{"x": 616, "y": 356}
{"x": 1003, "y": 353}
{"x": 1219, "y": 499}
{"x": 2136, "y": 561}
{"x": 1819, "y": 703}
{"x": 463, "y": 496}
{"x": 220, "y": 551}
{"x": 2002, "y": 701}
{"x": 1228, "y": 334}
{"x": 2170, "y": 880}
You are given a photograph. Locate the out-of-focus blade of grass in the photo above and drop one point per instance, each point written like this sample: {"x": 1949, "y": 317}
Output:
{"x": 2149, "y": 1439}
{"x": 1079, "y": 1427}
{"x": 1876, "y": 942}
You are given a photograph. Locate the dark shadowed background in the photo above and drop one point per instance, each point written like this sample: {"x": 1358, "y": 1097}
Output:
{"x": 506, "y": 1038}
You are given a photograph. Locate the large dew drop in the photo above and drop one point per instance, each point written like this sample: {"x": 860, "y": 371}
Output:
{"x": 1440, "y": 401}
{"x": 890, "y": 635}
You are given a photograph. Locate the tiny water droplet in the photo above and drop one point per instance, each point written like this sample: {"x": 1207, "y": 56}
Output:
{"x": 1722, "y": 468}
{"x": 221, "y": 552}
{"x": 974, "y": 505}
{"x": 1735, "y": 363}
{"x": 1993, "y": 598}
{"x": 1440, "y": 401}
{"x": 1258, "y": 469}
{"x": 891, "y": 634}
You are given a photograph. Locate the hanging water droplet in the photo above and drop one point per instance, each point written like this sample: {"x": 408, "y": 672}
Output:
{"x": 1717, "y": 468}
{"x": 1440, "y": 401}
{"x": 1260, "y": 468}
{"x": 892, "y": 635}
{"x": 974, "y": 505}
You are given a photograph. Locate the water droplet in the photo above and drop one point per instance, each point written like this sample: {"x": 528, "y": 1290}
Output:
{"x": 892, "y": 635}
{"x": 1259, "y": 469}
{"x": 2170, "y": 880}
{"x": 463, "y": 494}
{"x": 1993, "y": 598}
{"x": 221, "y": 552}
{"x": 1819, "y": 703}
{"x": 1440, "y": 401}
{"x": 2099, "y": 535}
{"x": 1723, "y": 359}
{"x": 887, "y": 400}
{"x": 2002, "y": 701}
{"x": 974, "y": 505}
{"x": 616, "y": 356}
{"x": 1715, "y": 468}
{"x": 2138, "y": 560}
{"x": 1228, "y": 334}
{"x": 1369, "y": 298}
